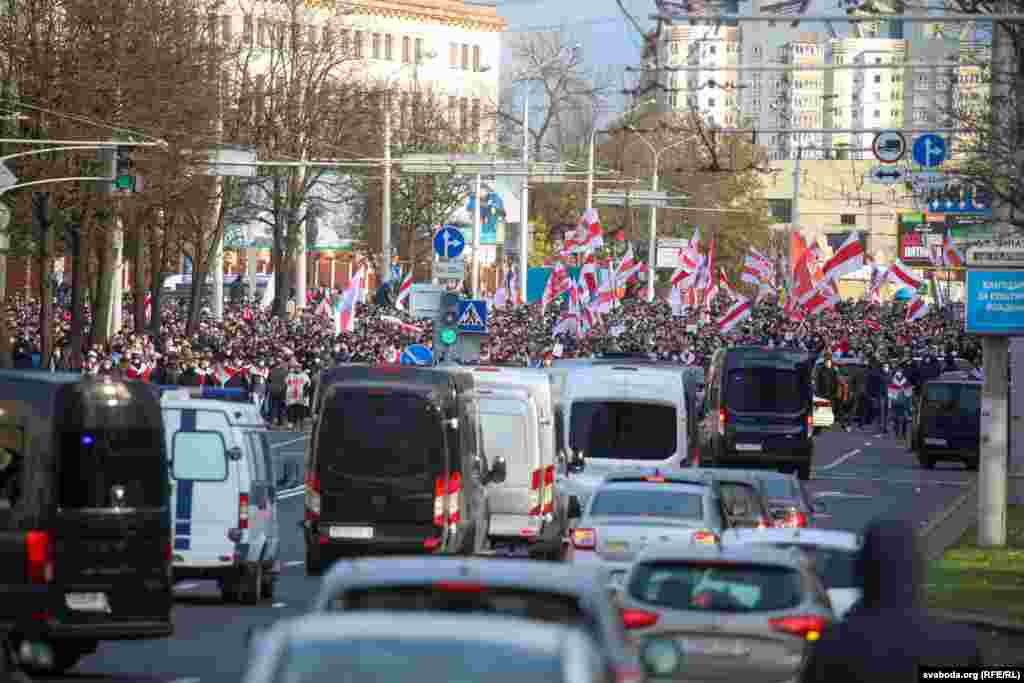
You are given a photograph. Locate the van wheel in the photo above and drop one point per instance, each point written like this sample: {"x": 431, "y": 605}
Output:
{"x": 269, "y": 583}
{"x": 314, "y": 565}
{"x": 250, "y": 585}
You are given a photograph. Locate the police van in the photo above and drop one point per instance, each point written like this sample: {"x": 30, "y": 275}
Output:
{"x": 526, "y": 513}
{"x": 223, "y": 502}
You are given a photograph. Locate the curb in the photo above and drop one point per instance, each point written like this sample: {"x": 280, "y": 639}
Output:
{"x": 957, "y": 516}
{"x": 980, "y": 620}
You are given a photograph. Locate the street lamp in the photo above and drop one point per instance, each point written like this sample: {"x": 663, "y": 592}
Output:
{"x": 590, "y": 151}
{"x": 524, "y": 207}
{"x": 653, "y": 235}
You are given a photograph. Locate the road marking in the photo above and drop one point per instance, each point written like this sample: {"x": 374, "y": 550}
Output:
{"x": 913, "y": 482}
{"x": 839, "y": 494}
{"x": 843, "y": 458}
{"x": 186, "y": 586}
{"x": 291, "y": 493}
{"x": 279, "y": 605}
{"x": 294, "y": 563}
{"x": 867, "y": 443}
{"x": 185, "y": 680}
{"x": 289, "y": 442}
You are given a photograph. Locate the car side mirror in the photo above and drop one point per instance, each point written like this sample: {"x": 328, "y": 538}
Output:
{"x": 234, "y": 454}
{"x": 575, "y": 510}
{"x": 498, "y": 472}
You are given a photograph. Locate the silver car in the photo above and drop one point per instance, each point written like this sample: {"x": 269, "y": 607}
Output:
{"x": 719, "y": 613}
{"x": 402, "y": 646}
{"x": 834, "y": 554}
{"x": 631, "y": 511}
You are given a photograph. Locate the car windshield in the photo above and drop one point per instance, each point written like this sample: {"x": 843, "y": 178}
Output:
{"x": 953, "y": 399}
{"x": 765, "y": 390}
{"x": 837, "y": 567}
{"x": 717, "y": 587}
{"x": 624, "y": 430}
{"x": 652, "y": 502}
{"x": 430, "y": 660}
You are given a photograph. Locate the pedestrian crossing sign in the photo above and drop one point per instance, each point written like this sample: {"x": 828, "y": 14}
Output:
{"x": 473, "y": 316}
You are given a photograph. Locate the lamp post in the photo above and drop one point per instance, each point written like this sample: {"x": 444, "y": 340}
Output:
{"x": 590, "y": 150}
{"x": 524, "y": 207}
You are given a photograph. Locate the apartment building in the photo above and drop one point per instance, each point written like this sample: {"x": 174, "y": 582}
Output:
{"x": 698, "y": 77}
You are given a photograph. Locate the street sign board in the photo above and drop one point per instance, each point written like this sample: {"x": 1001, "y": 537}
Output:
{"x": 417, "y": 354}
{"x": 449, "y": 242}
{"x": 473, "y": 316}
{"x": 228, "y": 161}
{"x": 889, "y": 146}
{"x": 667, "y": 255}
{"x": 7, "y": 179}
{"x": 966, "y": 207}
{"x": 997, "y": 254}
{"x": 929, "y": 180}
{"x": 994, "y": 302}
{"x": 425, "y": 300}
{"x": 929, "y": 150}
{"x": 634, "y": 198}
{"x": 887, "y": 175}
{"x": 450, "y": 270}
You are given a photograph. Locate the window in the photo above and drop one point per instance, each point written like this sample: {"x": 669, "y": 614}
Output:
{"x": 225, "y": 29}
{"x": 406, "y": 50}
{"x": 199, "y": 456}
{"x": 419, "y": 50}
{"x": 476, "y": 58}
{"x": 262, "y": 468}
{"x": 453, "y": 55}
{"x": 465, "y": 57}
{"x": 389, "y": 47}
{"x": 357, "y": 44}
{"x": 717, "y": 587}
{"x": 375, "y": 46}
{"x": 621, "y": 429}
{"x": 660, "y": 501}
{"x": 711, "y": 101}
{"x": 878, "y": 78}
{"x": 475, "y": 120}
{"x": 262, "y": 39}
{"x": 757, "y": 51}
{"x": 464, "y": 116}
{"x": 711, "y": 49}
{"x": 453, "y": 104}
{"x": 12, "y": 465}
{"x": 327, "y": 38}
{"x": 765, "y": 390}
{"x": 93, "y": 463}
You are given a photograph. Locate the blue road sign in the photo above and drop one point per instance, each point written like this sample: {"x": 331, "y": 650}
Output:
{"x": 417, "y": 354}
{"x": 995, "y": 302}
{"x": 964, "y": 208}
{"x": 449, "y": 242}
{"x": 473, "y": 316}
{"x": 929, "y": 150}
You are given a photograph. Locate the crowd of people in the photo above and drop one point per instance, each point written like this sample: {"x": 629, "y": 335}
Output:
{"x": 251, "y": 347}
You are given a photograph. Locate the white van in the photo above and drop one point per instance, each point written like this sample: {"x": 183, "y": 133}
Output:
{"x": 616, "y": 416}
{"x": 526, "y": 514}
{"x": 223, "y": 500}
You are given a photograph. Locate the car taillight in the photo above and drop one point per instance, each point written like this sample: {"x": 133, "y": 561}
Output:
{"x": 169, "y": 552}
{"x": 536, "y": 481}
{"x": 806, "y": 627}
{"x": 439, "y": 490}
{"x": 705, "y": 537}
{"x": 795, "y": 520}
{"x": 638, "y": 618}
{"x": 243, "y": 510}
{"x": 548, "y": 506}
{"x": 810, "y": 423}
{"x": 584, "y": 539}
{"x": 454, "y": 489}
{"x": 628, "y": 674}
{"x": 312, "y": 498}
{"x": 723, "y": 417}
{"x": 458, "y": 587}
{"x": 762, "y": 523}
{"x": 39, "y": 551}
{"x": 822, "y": 403}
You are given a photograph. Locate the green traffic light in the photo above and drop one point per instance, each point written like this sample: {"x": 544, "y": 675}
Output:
{"x": 448, "y": 337}
{"x": 123, "y": 182}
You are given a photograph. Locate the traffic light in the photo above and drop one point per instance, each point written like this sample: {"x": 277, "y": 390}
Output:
{"x": 449, "y": 319}
{"x": 119, "y": 167}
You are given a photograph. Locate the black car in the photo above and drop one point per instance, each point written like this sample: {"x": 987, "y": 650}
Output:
{"x": 758, "y": 410}
{"x": 84, "y": 515}
{"x": 395, "y": 464}
{"x": 947, "y": 422}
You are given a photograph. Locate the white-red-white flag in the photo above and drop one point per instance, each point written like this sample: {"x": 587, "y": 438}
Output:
{"x": 404, "y": 292}
{"x": 848, "y": 258}
{"x": 903, "y": 276}
{"x": 917, "y": 309}
{"x": 736, "y": 314}
{"x": 558, "y": 284}
{"x": 345, "y": 316}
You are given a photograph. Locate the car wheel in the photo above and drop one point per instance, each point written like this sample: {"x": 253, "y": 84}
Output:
{"x": 64, "y": 657}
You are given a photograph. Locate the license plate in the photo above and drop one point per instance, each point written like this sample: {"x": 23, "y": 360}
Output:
{"x": 87, "y": 602}
{"x": 748, "y": 446}
{"x": 934, "y": 442}
{"x": 615, "y": 547}
{"x": 715, "y": 648}
{"x": 360, "y": 532}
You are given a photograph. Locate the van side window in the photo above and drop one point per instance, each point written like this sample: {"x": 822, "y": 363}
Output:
{"x": 559, "y": 430}
{"x": 12, "y": 465}
{"x": 199, "y": 456}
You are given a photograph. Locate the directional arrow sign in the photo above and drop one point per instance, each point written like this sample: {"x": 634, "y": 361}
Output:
{"x": 887, "y": 175}
{"x": 449, "y": 242}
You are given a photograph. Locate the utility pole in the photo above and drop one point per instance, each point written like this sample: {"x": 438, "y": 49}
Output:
{"x": 524, "y": 206}
{"x": 44, "y": 235}
{"x": 385, "y": 210}
{"x": 994, "y": 456}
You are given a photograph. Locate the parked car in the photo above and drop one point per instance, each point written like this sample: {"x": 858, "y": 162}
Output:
{"x": 402, "y": 646}
{"x": 729, "y": 613}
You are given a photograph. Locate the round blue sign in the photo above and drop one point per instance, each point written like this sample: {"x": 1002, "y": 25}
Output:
{"x": 929, "y": 150}
{"x": 449, "y": 242}
{"x": 417, "y": 354}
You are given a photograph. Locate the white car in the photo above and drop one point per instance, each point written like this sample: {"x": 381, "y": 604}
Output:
{"x": 824, "y": 417}
{"x": 834, "y": 553}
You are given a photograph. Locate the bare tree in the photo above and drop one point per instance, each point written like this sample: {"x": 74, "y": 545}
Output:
{"x": 297, "y": 96}
{"x": 565, "y": 95}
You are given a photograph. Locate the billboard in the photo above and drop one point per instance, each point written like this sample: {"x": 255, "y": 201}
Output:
{"x": 920, "y": 233}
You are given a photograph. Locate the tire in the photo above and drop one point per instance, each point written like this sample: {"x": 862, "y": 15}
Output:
{"x": 269, "y": 584}
{"x": 314, "y": 563}
{"x": 65, "y": 658}
{"x": 250, "y": 584}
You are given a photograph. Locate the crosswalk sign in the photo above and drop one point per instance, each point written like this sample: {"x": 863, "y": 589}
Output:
{"x": 473, "y": 316}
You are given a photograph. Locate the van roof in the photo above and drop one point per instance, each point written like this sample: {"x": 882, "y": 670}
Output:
{"x": 238, "y": 414}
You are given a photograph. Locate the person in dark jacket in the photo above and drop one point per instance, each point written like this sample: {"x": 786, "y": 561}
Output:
{"x": 889, "y": 633}
{"x": 872, "y": 393}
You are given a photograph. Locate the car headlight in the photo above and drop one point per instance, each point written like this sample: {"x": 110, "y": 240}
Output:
{"x": 660, "y": 657}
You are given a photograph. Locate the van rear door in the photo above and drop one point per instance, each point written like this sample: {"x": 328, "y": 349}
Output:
{"x": 112, "y": 526}
{"x": 206, "y": 487}
{"x": 766, "y": 406}
{"x": 509, "y": 424}
{"x": 380, "y": 453}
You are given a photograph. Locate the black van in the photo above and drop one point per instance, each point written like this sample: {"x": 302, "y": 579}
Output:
{"x": 84, "y": 515}
{"x": 395, "y": 465}
{"x": 758, "y": 410}
{"x": 947, "y": 423}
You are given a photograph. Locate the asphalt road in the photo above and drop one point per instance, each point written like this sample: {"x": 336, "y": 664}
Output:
{"x": 860, "y": 474}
